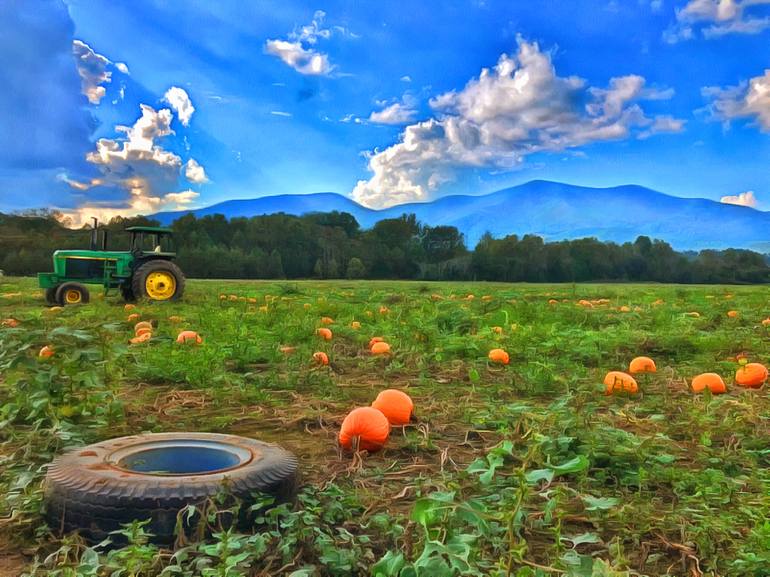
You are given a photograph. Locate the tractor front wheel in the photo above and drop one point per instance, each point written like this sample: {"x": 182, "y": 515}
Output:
{"x": 72, "y": 293}
{"x": 158, "y": 280}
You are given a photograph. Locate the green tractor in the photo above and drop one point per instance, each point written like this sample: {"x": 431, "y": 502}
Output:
{"x": 145, "y": 271}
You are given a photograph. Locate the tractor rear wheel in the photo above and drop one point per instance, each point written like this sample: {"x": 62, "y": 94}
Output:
{"x": 158, "y": 280}
{"x": 72, "y": 293}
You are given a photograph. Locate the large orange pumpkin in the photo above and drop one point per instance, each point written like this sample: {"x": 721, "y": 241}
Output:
{"x": 375, "y": 340}
{"x": 321, "y": 358}
{"x": 617, "y": 381}
{"x": 143, "y": 331}
{"x": 189, "y": 337}
{"x": 752, "y": 375}
{"x": 710, "y": 381}
{"x": 499, "y": 356}
{"x": 396, "y": 405}
{"x": 364, "y": 428}
{"x": 325, "y": 334}
{"x": 642, "y": 365}
{"x": 380, "y": 348}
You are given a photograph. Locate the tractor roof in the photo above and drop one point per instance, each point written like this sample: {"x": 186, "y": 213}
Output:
{"x": 150, "y": 229}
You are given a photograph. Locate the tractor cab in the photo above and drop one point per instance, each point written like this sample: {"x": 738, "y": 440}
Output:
{"x": 151, "y": 240}
{"x": 145, "y": 270}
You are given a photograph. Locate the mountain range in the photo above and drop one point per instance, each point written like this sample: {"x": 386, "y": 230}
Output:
{"x": 553, "y": 210}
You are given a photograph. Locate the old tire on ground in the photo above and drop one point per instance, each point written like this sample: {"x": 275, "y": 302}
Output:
{"x": 97, "y": 488}
{"x": 72, "y": 293}
{"x": 158, "y": 280}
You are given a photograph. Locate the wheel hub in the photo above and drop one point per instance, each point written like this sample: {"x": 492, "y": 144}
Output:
{"x": 160, "y": 285}
{"x": 72, "y": 297}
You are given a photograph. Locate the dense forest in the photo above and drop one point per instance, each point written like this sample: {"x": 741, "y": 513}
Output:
{"x": 333, "y": 245}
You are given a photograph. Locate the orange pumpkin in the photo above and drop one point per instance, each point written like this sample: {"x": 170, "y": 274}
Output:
{"x": 498, "y": 330}
{"x": 625, "y": 309}
{"x": 384, "y": 310}
{"x": 133, "y": 317}
{"x": 732, "y": 314}
{"x": 143, "y": 331}
{"x": 396, "y": 405}
{"x": 499, "y": 356}
{"x": 766, "y": 322}
{"x": 657, "y": 302}
{"x": 10, "y": 323}
{"x": 617, "y": 381}
{"x": 189, "y": 337}
{"x": 46, "y": 352}
{"x": 286, "y": 350}
{"x": 327, "y": 320}
{"x": 374, "y": 340}
{"x": 710, "y": 381}
{"x": 321, "y": 358}
{"x": 585, "y": 303}
{"x": 355, "y": 325}
{"x": 553, "y": 302}
{"x": 141, "y": 338}
{"x": 325, "y": 334}
{"x": 642, "y": 365}
{"x": 142, "y": 325}
{"x": 380, "y": 348}
{"x": 364, "y": 428}
{"x": 129, "y": 307}
{"x": 752, "y": 375}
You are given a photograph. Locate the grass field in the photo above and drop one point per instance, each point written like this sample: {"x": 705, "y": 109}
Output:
{"x": 526, "y": 469}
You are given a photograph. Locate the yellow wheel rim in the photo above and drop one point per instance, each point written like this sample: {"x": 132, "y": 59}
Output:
{"x": 72, "y": 297}
{"x": 160, "y": 286}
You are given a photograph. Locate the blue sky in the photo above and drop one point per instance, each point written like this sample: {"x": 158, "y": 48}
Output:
{"x": 137, "y": 106}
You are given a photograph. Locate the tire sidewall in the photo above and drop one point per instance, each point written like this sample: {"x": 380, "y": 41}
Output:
{"x": 85, "y": 296}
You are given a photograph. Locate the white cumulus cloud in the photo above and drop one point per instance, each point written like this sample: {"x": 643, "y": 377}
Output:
{"x": 749, "y": 100}
{"x": 140, "y": 167}
{"x": 716, "y": 18}
{"x": 519, "y": 107}
{"x": 298, "y": 50}
{"x": 402, "y": 112}
{"x": 194, "y": 172}
{"x": 92, "y": 68}
{"x": 181, "y": 103}
{"x": 743, "y": 199}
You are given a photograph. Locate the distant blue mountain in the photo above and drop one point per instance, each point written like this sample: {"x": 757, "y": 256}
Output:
{"x": 552, "y": 210}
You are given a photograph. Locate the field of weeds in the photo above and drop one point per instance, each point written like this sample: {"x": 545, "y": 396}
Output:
{"x": 523, "y": 469}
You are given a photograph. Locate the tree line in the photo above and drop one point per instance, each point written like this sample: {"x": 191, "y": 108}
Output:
{"x": 333, "y": 245}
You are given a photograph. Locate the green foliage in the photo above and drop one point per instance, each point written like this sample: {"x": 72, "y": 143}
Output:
{"x": 526, "y": 469}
